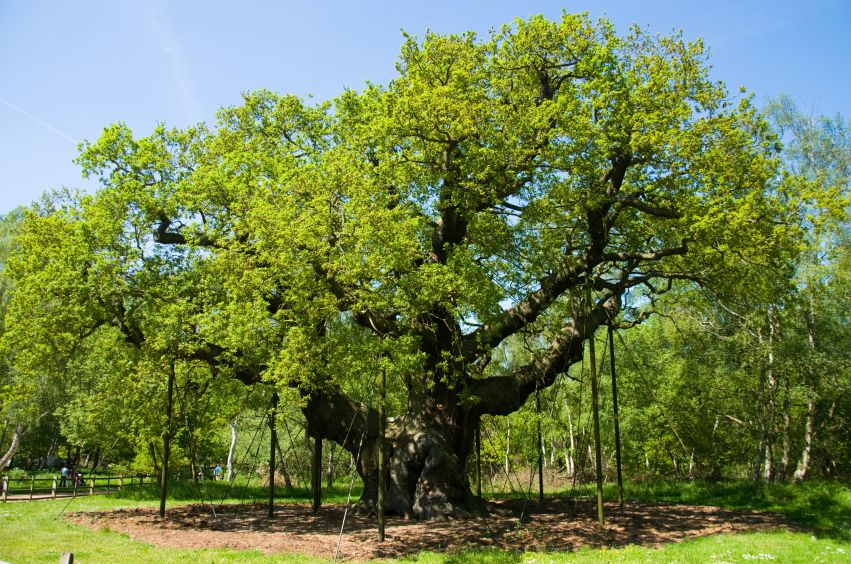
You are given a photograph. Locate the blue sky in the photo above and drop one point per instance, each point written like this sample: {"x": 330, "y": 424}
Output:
{"x": 67, "y": 69}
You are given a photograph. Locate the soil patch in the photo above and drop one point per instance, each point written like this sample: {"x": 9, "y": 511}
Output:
{"x": 558, "y": 525}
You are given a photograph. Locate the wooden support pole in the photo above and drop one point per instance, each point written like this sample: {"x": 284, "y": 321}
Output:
{"x": 595, "y": 408}
{"x": 617, "y": 423}
{"x": 32, "y": 487}
{"x": 121, "y": 482}
{"x": 92, "y": 486}
{"x": 540, "y": 448}
{"x": 273, "y": 440}
{"x": 166, "y": 441}
{"x": 66, "y": 558}
{"x": 53, "y": 488}
{"x": 5, "y": 487}
{"x": 107, "y": 483}
{"x": 382, "y": 481}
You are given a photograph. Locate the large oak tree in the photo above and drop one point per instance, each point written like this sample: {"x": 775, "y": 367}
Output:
{"x": 417, "y": 226}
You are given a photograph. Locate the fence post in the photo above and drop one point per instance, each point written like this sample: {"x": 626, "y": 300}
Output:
{"x": 92, "y": 486}
{"x": 107, "y": 483}
{"x": 32, "y": 487}
{"x": 5, "y": 487}
{"x": 53, "y": 488}
{"x": 121, "y": 482}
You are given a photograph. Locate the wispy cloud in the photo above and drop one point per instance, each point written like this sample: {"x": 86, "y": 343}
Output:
{"x": 39, "y": 121}
{"x": 170, "y": 44}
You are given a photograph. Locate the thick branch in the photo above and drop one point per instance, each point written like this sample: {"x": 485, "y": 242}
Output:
{"x": 568, "y": 274}
{"x": 649, "y": 209}
{"x": 647, "y": 255}
{"x": 332, "y": 414}
{"x": 501, "y": 395}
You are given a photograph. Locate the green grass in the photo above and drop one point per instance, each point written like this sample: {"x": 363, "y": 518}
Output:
{"x": 824, "y": 507}
{"x": 746, "y": 548}
{"x": 35, "y": 531}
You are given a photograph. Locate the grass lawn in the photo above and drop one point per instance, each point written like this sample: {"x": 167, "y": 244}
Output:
{"x": 36, "y": 532}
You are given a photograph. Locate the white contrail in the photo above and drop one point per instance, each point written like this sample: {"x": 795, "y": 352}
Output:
{"x": 40, "y": 121}
{"x": 157, "y": 18}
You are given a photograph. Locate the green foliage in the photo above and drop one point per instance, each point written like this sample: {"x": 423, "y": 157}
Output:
{"x": 306, "y": 246}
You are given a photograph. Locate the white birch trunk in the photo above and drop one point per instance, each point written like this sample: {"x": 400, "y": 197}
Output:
{"x": 231, "y": 449}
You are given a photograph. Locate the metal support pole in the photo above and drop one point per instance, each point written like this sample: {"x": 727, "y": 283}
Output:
{"x": 167, "y": 442}
{"x": 316, "y": 473}
{"x": 595, "y": 407}
{"x": 479, "y": 457}
{"x": 382, "y": 481}
{"x": 273, "y": 414}
{"x": 540, "y": 448}
{"x": 617, "y": 423}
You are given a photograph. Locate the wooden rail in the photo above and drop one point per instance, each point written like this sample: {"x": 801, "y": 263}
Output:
{"x": 33, "y": 488}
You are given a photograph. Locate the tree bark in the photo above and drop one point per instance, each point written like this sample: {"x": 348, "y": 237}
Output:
{"x": 231, "y": 450}
{"x": 803, "y": 468}
{"x": 329, "y": 477}
{"x": 152, "y": 450}
{"x": 282, "y": 464}
{"x": 16, "y": 441}
{"x": 770, "y": 434}
{"x": 428, "y": 445}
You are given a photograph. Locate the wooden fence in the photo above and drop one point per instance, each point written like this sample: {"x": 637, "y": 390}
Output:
{"x": 16, "y": 489}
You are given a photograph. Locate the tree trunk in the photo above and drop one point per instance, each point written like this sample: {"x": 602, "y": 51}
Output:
{"x": 282, "y": 464}
{"x": 783, "y": 470}
{"x": 507, "y": 447}
{"x": 756, "y": 470}
{"x": 571, "y": 461}
{"x": 152, "y": 450}
{"x": 51, "y": 451}
{"x": 16, "y": 441}
{"x": 96, "y": 459}
{"x": 329, "y": 476}
{"x": 768, "y": 465}
{"x": 231, "y": 449}
{"x": 5, "y": 429}
{"x": 803, "y": 468}
{"x": 429, "y": 444}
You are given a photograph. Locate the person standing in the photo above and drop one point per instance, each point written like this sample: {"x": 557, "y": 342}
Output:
{"x": 217, "y": 472}
{"x": 63, "y": 481}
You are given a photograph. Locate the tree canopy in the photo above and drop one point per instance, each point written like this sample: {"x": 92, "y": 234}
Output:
{"x": 416, "y": 225}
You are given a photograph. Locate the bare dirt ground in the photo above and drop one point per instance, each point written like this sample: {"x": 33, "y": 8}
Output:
{"x": 560, "y": 524}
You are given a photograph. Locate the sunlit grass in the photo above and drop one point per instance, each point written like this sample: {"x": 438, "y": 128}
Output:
{"x": 37, "y": 531}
